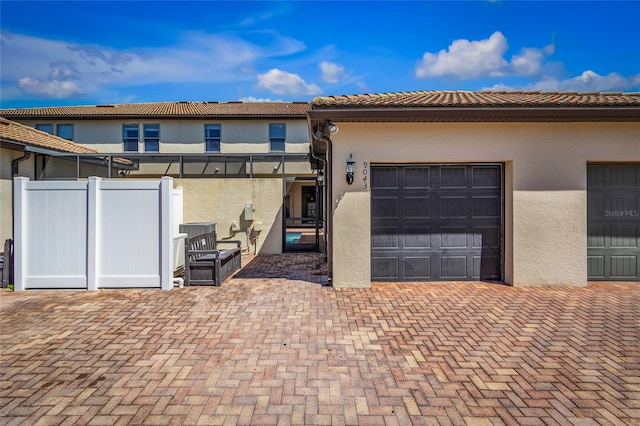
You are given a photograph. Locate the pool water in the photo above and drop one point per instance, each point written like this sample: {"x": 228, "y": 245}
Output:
{"x": 293, "y": 237}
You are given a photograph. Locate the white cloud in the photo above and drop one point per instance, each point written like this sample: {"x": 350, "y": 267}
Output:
{"x": 64, "y": 71}
{"x": 363, "y": 86}
{"x": 588, "y": 81}
{"x": 284, "y": 83}
{"x": 466, "y": 59}
{"x": 331, "y": 72}
{"x": 254, "y": 99}
{"x": 483, "y": 58}
{"x": 194, "y": 58}
{"x": 527, "y": 62}
{"x": 51, "y": 89}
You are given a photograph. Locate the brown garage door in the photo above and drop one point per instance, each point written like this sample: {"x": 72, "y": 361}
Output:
{"x": 613, "y": 219}
{"x": 436, "y": 222}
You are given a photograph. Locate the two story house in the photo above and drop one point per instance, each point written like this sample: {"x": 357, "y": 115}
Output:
{"x": 227, "y": 156}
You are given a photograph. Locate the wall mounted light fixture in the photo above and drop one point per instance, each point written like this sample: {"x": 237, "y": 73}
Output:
{"x": 351, "y": 169}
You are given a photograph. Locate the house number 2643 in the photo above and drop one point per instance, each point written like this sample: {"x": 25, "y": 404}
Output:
{"x": 365, "y": 175}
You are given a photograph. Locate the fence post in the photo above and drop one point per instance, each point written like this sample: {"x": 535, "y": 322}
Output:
{"x": 166, "y": 234}
{"x": 19, "y": 232}
{"x": 93, "y": 235}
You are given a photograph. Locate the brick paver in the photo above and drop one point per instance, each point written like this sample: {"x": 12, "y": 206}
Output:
{"x": 273, "y": 346}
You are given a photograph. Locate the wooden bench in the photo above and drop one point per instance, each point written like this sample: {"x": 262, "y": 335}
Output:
{"x": 206, "y": 264}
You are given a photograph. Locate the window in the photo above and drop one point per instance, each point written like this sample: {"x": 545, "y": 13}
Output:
{"x": 212, "y": 137}
{"x": 45, "y": 128}
{"x": 65, "y": 131}
{"x": 151, "y": 137}
{"x": 130, "y": 135}
{"x": 277, "y": 133}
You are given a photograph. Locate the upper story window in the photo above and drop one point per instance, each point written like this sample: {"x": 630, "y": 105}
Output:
{"x": 65, "y": 131}
{"x": 45, "y": 128}
{"x": 212, "y": 136}
{"x": 277, "y": 135}
{"x": 130, "y": 137}
{"x": 151, "y": 137}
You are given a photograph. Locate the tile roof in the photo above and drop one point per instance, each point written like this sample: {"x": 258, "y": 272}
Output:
{"x": 167, "y": 110}
{"x": 438, "y": 98}
{"x": 10, "y": 131}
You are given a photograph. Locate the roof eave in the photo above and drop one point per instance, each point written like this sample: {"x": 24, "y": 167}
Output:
{"x": 12, "y": 144}
{"x": 476, "y": 114}
{"x": 68, "y": 117}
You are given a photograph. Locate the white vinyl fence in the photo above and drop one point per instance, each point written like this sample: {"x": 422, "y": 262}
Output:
{"x": 94, "y": 234}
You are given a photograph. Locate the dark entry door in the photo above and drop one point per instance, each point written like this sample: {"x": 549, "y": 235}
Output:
{"x": 613, "y": 222}
{"x": 436, "y": 222}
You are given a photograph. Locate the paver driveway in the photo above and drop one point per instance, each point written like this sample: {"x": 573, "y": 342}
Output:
{"x": 273, "y": 346}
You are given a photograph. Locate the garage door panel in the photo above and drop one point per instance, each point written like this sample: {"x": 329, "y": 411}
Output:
{"x": 384, "y": 268}
{"x": 453, "y": 207}
{"x": 417, "y": 178}
{"x": 623, "y": 175}
{"x": 624, "y": 236}
{"x": 595, "y": 266}
{"x": 596, "y": 235}
{"x": 624, "y": 267}
{"x": 385, "y": 208}
{"x": 453, "y": 237}
{"x": 619, "y": 205}
{"x": 613, "y": 221}
{"x": 595, "y": 205}
{"x": 453, "y": 177}
{"x": 387, "y": 237}
{"x": 595, "y": 176}
{"x": 416, "y": 207}
{"x": 385, "y": 177}
{"x": 486, "y": 177}
{"x": 417, "y": 268}
{"x": 486, "y": 267}
{"x": 486, "y": 237}
{"x": 453, "y": 267}
{"x": 417, "y": 237}
{"x": 486, "y": 207}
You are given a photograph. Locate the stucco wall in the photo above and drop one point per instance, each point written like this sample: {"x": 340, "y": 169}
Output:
{"x": 5, "y": 210}
{"x": 187, "y": 136}
{"x": 26, "y": 170}
{"x": 545, "y": 188}
{"x": 223, "y": 201}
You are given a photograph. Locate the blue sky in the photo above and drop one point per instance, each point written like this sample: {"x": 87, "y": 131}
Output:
{"x": 92, "y": 52}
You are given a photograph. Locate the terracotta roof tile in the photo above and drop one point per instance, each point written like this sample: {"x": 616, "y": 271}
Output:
{"x": 489, "y": 99}
{"x": 11, "y": 131}
{"x": 166, "y": 110}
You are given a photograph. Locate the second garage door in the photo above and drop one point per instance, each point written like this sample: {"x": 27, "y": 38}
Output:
{"x": 436, "y": 222}
{"x": 613, "y": 217}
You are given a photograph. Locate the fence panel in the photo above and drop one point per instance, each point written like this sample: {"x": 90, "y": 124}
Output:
{"x": 54, "y": 251}
{"x": 94, "y": 234}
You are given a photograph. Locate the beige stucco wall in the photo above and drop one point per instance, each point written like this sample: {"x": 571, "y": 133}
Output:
{"x": 5, "y": 209}
{"x": 26, "y": 170}
{"x": 187, "y": 136}
{"x": 223, "y": 201}
{"x": 545, "y": 188}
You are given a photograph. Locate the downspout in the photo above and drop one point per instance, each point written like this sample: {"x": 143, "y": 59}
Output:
{"x": 15, "y": 163}
{"x": 328, "y": 204}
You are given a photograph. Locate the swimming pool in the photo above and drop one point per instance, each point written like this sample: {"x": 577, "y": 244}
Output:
{"x": 293, "y": 237}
